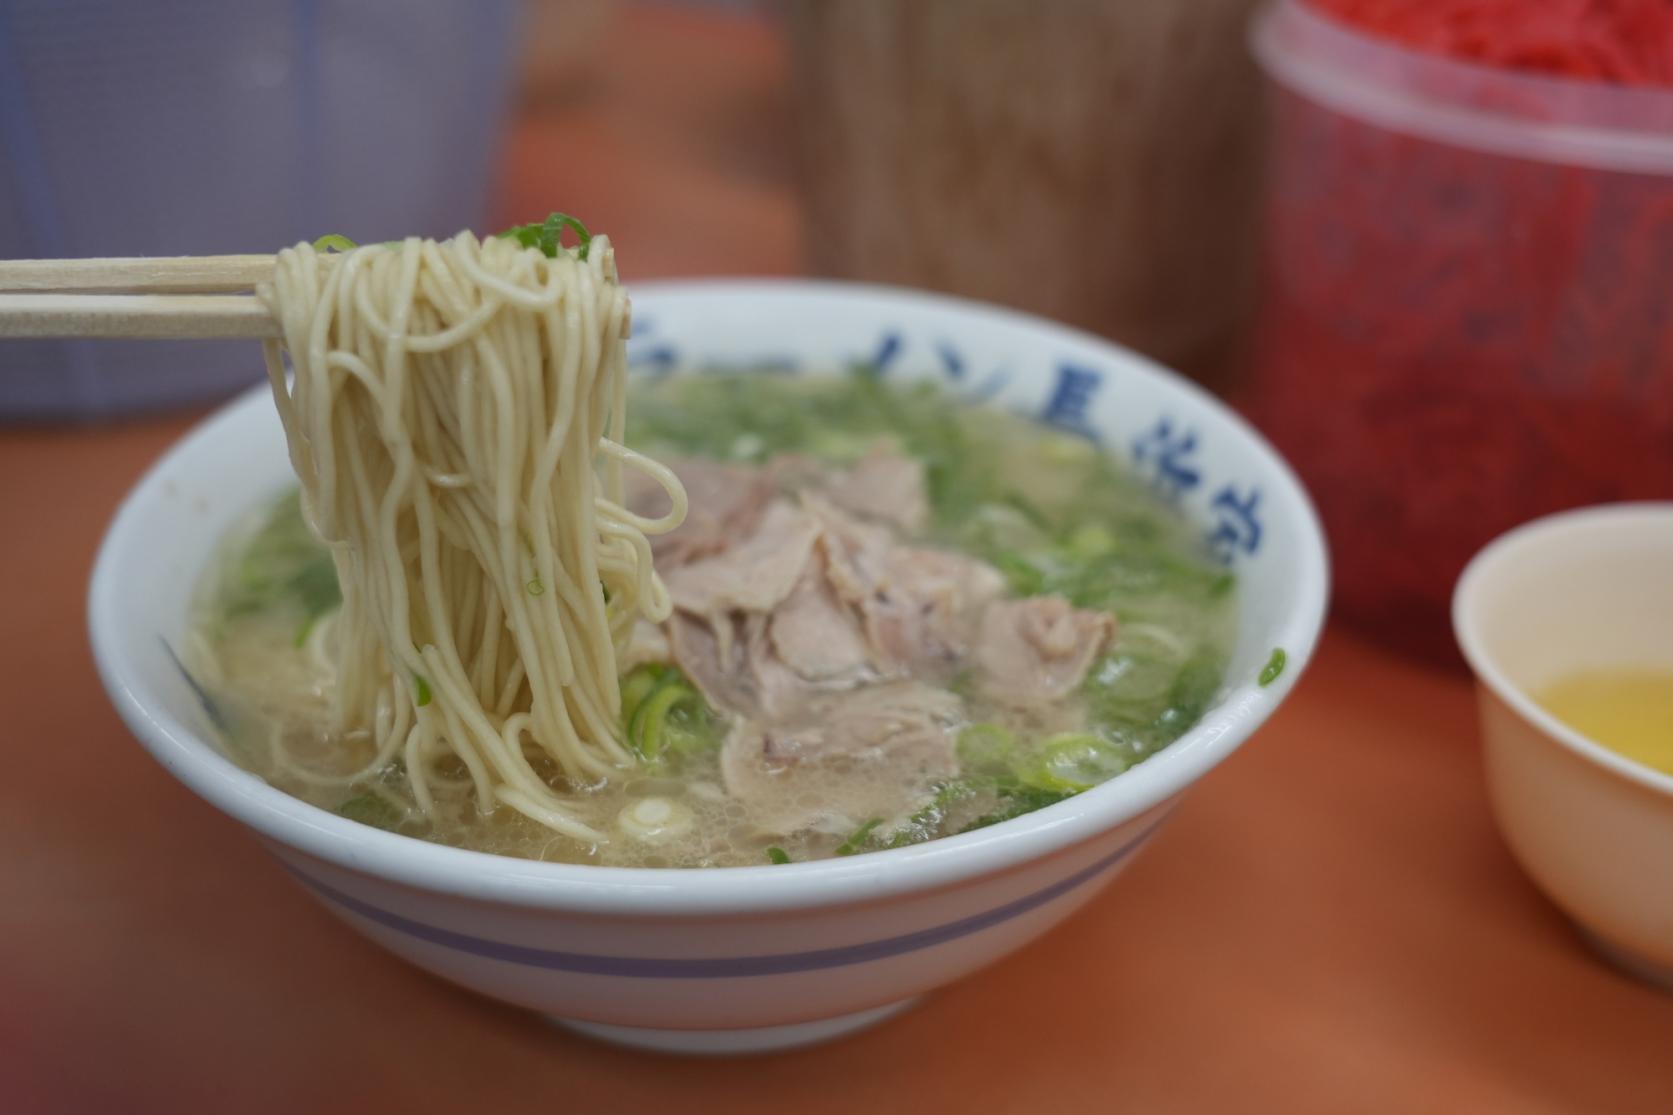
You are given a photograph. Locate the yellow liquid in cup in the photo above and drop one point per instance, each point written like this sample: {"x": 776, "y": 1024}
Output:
{"x": 1628, "y": 711}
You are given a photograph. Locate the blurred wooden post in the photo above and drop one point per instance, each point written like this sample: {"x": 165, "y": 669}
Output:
{"x": 1091, "y": 160}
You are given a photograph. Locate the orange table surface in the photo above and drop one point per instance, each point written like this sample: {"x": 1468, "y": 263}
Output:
{"x": 1329, "y": 923}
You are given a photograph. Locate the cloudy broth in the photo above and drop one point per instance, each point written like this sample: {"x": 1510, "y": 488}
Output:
{"x": 1043, "y": 514}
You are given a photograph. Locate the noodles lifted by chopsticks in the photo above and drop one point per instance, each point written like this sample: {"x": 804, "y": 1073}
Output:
{"x": 456, "y": 421}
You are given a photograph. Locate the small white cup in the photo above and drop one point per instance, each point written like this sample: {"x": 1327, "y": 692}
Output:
{"x": 1578, "y": 591}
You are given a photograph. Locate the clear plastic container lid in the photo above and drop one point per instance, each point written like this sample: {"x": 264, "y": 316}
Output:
{"x": 1504, "y": 112}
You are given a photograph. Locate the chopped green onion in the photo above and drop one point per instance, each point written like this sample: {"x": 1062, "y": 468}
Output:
{"x": 1072, "y": 762}
{"x": 689, "y": 728}
{"x": 858, "y": 838}
{"x": 778, "y": 855}
{"x": 283, "y": 565}
{"x": 1274, "y": 666}
{"x": 1018, "y": 800}
{"x": 421, "y": 690}
{"x": 535, "y": 588}
{"x": 370, "y": 809}
{"x": 306, "y": 629}
{"x": 332, "y": 242}
{"x": 986, "y": 747}
{"x": 638, "y": 685}
{"x": 664, "y": 714}
{"x": 1027, "y": 508}
{"x": 1025, "y": 578}
{"x": 1092, "y": 540}
{"x": 547, "y": 235}
{"x": 1189, "y": 695}
{"x": 925, "y": 824}
{"x": 651, "y": 717}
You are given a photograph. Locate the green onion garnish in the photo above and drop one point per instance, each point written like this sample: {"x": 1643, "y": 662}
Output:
{"x": 1274, "y": 666}
{"x": 986, "y": 747}
{"x": 369, "y": 809}
{"x": 421, "y": 690}
{"x": 651, "y": 717}
{"x": 1073, "y": 761}
{"x": 547, "y": 235}
{"x": 778, "y": 855}
{"x": 638, "y": 685}
{"x": 857, "y": 840}
{"x": 663, "y": 714}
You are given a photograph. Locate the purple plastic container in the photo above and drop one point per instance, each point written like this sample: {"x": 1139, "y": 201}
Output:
{"x": 210, "y": 126}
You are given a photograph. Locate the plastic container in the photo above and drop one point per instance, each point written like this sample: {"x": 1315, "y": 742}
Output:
{"x": 206, "y": 126}
{"x": 1467, "y": 315}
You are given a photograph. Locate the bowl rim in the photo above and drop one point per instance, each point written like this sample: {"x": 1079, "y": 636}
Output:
{"x": 1466, "y": 626}
{"x": 674, "y": 892}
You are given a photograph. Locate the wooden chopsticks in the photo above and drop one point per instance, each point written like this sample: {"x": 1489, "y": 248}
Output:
{"x": 184, "y": 296}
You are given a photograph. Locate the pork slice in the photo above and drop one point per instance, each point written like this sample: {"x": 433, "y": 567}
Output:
{"x": 874, "y": 753}
{"x": 885, "y": 485}
{"x": 856, "y": 553}
{"x": 755, "y": 574}
{"x": 917, "y": 606}
{"x": 815, "y": 635}
{"x": 714, "y": 658}
{"x": 1037, "y": 650}
{"x": 726, "y": 504}
{"x": 922, "y": 614}
{"x": 793, "y": 472}
{"x": 734, "y": 662}
{"x": 780, "y": 690}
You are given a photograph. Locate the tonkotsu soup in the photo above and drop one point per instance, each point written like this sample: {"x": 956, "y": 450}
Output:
{"x": 895, "y": 617}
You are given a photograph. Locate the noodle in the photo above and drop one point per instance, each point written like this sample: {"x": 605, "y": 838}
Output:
{"x": 456, "y": 420}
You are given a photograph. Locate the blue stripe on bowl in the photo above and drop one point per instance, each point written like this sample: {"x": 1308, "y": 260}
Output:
{"x": 720, "y": 967}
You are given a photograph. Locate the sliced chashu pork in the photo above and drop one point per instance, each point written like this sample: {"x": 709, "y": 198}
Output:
{"x": 873, "y": 753}
{"x": 725, "y": 505}
{"x": 754, "y": 574}
{"x": 733, "y": 664}
{"x": 741, "y": 613}
{"x": 917, "y": 606}
{"x": 771, "y": 666}
{"x": 884, "y": 485}
{"x": 814, "y": 634}
{"x": 923, "y": 615}
{"x": 1037, "y": 650}
{"x": 861, "y": 609}
{"x": 805, "y": 628}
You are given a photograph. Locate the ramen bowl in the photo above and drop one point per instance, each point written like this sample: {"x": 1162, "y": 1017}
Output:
{"x": 744, "y": 958}
{"x": 1578, "y": 591}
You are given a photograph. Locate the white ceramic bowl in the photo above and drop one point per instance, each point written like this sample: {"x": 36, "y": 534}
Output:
{"x": 1582, "y": 590}
{"x": 744, "y": 957}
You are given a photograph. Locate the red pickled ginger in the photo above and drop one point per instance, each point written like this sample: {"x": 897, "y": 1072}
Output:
{"x": 1625, "y": 42}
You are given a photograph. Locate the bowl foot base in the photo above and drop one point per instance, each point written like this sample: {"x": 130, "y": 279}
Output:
{"x": 761, "y": 1039}
{"x": 1653, "y": 972}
